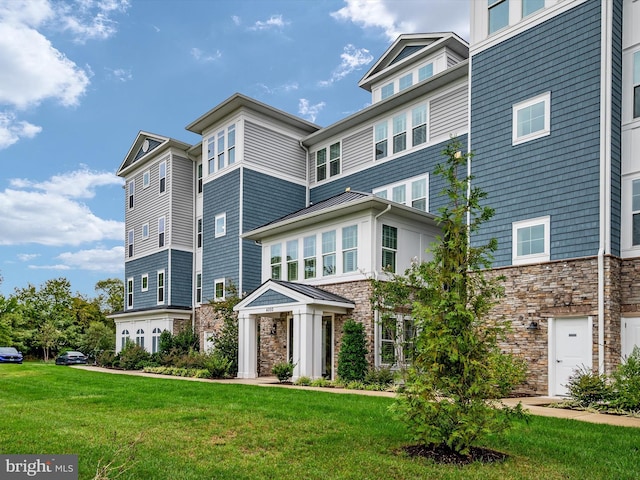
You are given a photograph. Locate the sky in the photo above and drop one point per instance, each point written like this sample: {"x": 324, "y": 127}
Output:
{"x": 80, "y": 78}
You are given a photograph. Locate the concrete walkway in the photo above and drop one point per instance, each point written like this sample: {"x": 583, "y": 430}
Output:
{"x": 534, "y": 405}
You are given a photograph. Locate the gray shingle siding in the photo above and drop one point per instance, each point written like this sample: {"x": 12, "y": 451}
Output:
{"x": 150, "y": 265}
{"x": 556, "y": 175}
{"x": 396, "y": 170}
{"x": 616, "y": 132}
{"x": 270, "y": 298}
{"x": 181, "y": 278}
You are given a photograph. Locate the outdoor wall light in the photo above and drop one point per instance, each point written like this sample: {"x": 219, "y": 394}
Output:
{"x": 533, "y": 326}
{"x": 274, "y": 328}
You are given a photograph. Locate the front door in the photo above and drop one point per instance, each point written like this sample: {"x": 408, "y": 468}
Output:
{"x": 630, "y": 335}
{"x": 573, "y": 347}
{"x": 327, "y": 347}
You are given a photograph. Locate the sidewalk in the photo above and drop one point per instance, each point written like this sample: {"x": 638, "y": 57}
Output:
{"x": 534, "y": 405}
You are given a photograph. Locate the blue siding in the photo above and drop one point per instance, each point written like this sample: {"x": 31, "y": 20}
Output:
{"x": 413, "y": 164}
{"x": 220, "y": 256}
{"x": 616, "y": 132}
{"x": 265, "y": 198}
{"x": 270, "y": 298}
{"x": 556, "y": 175}
{"x": 149, "y": 265}
{"x": 181, "y": 278}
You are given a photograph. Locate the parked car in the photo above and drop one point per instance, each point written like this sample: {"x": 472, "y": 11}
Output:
{"x": 71, "y": 358}
{"x": 10, "y": 355}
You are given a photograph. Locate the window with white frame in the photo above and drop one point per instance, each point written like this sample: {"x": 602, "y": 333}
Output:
{"x": 635, "y": 212}
{"x": 155, "y": 340}
{"x": 130, "y": 292}
{"x": 160, "y": 287}
{"x": 292, "y": 260}
{"x": 130, "y": 237}
{"x": 211, "y": 154}
{"x": 530, "y": 6}
{"x": 144, "y": 282}
{"x": 419, "y": 125}
{"x": 161, "y": 222}
{"x": 381, "y": 137}
{"x": 424, "y": 72}
{"x": 231, "y": 145}
{"x": 397, "y": 334}
{"x": 531, "y": 240}
{"x": 330, "y": 156}
{"x": 399, "y": 133}
{"x": 350, "y": 249}
{"x": 276, "y": 261}
{"x": 132, "y": 191}
{"x": 221, "y": 149}
{"x": 498, "y": 15}
{"x": 636, "y": 84}
{"x": 386, "y": 91}
{"x": 412, "y": 192}
{"x": 329, "y": 253}
{"x": 531, "y": 119}
{"x": 309, "y": 252}
{"x": 405, "y": 81}
{"x": 199, "y": 178}
{"x": 198, "y": 288}
{"x": 140, "y": 337}
{"x": 218, "y": 289}
{"x": 220, "y": 225}
{"x": 163, "y": 176}
{"x": 146, "y": 179}
{"x": 389, "y": 247}
{"x": 199, "y": 234}
{"x": 145, "y": 231}
{"x": 124, "y": 339}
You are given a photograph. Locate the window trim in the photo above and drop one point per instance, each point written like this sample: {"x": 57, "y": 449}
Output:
{"x": 199, "y": 227}
{"x": 352, "y": 249}
{"x": 635, "y": 85}
{"x": 275, "y": 261}
{"x": 312, "y": 259}
{"x": 216, "y": 282}
{"x": 145, "y": 231}
{"x": 326, "y": 254}
{"x": 130, "y": 287}
{"x": 408, "y": 184}
{"x": 517, "y": 107}
{"x": 292, "y": 247}
{"x": 534, "y": 257}
{"x": 217, "y": 233}
{"x": 140, "y": 337}
{"x": 161, "y": 287}
{"x": 390, "y": 249}
{"x": 146, "y": 179}
{"x": 198, "y": 287}
{"x": 162, "y": 178}
{"x": 144, "y": 279}
{"x": 131, "y": 240}
{"x": 327, "y": 163}
{"x": 124, "y": 336}
{"x": 162, "y": 221}
{"x": 491, "y": 4}
{"x": 155, "y": 340}
{"x": 131, "y": 192}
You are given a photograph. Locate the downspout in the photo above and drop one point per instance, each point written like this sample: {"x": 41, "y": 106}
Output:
{"x": 194, "y": 238}
{"x": 306, "y": 167}
{"x": 605, "y": 168}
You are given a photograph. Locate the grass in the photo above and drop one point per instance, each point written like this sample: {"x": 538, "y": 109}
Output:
{"x": 167, "y": 429}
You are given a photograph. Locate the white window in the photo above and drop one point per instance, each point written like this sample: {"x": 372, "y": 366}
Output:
{"x": 309, "y": 252}
{"x": 419, "y": 125}
{"x": 124, "y": 339}
{"x": 146, "y": 179}
{"x": 635, "y": 211}
{"x": 334, "y": 162}
{"x": 144, "y": 282}
{"x": 155, "y": 340}
{"x": 220, "y": 225}
{"x": 386, "y": 91}
{"x": 350, "y": 248}
{"x": 276, "y": 261}
{"x": 530, "y": 6}
{"x": 198, "y": 288}
{"x": 211, "y": 154}
{"x": 163, "y": 176}
{"x": 389, "y": 247}
{"x": 199, "y": 236}
{"x": 218, "y": 289}
{"x": 145, "y": 231}
{"x": 329, "y": 253}
{"x": 231, "y": 144}
{"x": 399, "y": 133}
{"x": 132, "y": 191}
{"x": 381, "y": 136}
{"x": 130, "y": 243}
{"x": 397, "y": 333}
{"x": 425, "y": 72}
{"x": 531, "y": 241}
{"x": 130, "y": 292}
{"x": 412, "y": 192}
{"x": 498, "y": 15}
{"x": 406, "y": 81}
{"x": 292, "y": 260}
{"x": 636, "y": 84}
{"x": 220, "y": 149}
{"x": 199, "y": 178}
{"x": 140, "y": 337}
{"x": 531, "y": 119}
{"x": 160, "y": 287}
{"x": 161, "y": 222}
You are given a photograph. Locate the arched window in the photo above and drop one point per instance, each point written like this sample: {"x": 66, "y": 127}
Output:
{"x": 140, "y": 337}
{"x": 155, "y": 340}
{"x": 123, "y": 338}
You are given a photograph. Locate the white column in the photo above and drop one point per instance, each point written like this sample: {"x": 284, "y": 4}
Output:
{"x": 247, "y": 346}
{"x": 307, "y": 344}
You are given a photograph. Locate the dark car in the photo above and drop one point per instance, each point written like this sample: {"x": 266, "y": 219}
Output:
{"x": 71, "y": 358}
{"x": 10, "y": 355}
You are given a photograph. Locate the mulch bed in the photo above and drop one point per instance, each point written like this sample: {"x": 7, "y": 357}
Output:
{"x": 444, "y": 455}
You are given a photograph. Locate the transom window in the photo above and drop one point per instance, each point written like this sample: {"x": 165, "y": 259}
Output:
{"x": 389, "y": 247}
{"x": 220, "y": 225}
{"x": 530, "y": 6}
{"x": 412, "y": 192}
{"x": 406, "y": 81}
{"x": 635, "y": 207}
{"x": 425, "y": 72}
{"x": 498, "y": 15}
{"x": 531, "y": 119}
{"x": 386, "y": 91}
{"x": 531, "y": 241}
{"x": 330, "y": 155}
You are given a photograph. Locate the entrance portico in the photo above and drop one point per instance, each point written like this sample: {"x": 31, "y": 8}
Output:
{"x": 305, "y": 306}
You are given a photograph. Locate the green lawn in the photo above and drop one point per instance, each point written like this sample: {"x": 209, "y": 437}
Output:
{"x": 180, "y": 430}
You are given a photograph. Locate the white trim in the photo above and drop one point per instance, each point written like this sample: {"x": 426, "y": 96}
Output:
{"x": 129, "y": 292}
{"x": 517, "y": 107}
{"x": 535, "y": 257}
{"x": 164, "y": 287}
{"x": 145, "y": 237}
{"x": 216, "y": 282}
{"x": 216, "y": 233}
{"x": 142, "y": 278}
{"x": 408, "y": 183}
{"x": 146, "y": 175}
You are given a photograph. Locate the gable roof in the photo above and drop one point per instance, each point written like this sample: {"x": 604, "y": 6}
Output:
{"x": 409, "y": 48}
{"x": 148, "y": 145}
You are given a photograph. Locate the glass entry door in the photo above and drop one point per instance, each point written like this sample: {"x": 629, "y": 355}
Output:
{"x": 327, "y": 347}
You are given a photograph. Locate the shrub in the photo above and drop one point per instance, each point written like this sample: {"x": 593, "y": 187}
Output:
{"x": 132, "y": 357}
{"x": 626, "y": 383}
{"x": 586, "y": 387}
{"x": 304, "y": 381}
{"x": 321, "y": 382}
{"x": 352, "y": 361}
{"x": 186, "y": 341}
{"x": 106, "y": 359}
{"x": 217, "y": 365}
{"x": 283, "y": 370}
{"x": 380, "y": 377}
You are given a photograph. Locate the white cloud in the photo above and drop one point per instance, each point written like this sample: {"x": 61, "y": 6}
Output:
{"x": 47, "y": 213}
{"x": 285, "y": 87}
{"x": 27, "y": 257}
{"x": 90, "y": 19}
{"x": 407, "y": 16}
{"x": 205, "y": 57}
{"x": 95, "y": 259}
{"x": 121, "y": 74}
{"x": 310, "y": 112}
{"x": 275, "y": 22}
{"x": 352, "y": 59}
{"x": 12, "y": 130}
{"x": 236, "y": 20}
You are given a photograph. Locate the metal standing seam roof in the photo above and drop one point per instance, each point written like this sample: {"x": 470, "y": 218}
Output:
{"x": 313, "y": 292}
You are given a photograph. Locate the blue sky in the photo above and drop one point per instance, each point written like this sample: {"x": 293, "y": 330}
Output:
{"x": 80, "y": 78}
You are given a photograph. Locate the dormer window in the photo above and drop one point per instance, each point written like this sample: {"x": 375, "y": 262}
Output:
{"x": 530, "y": 6}
{"x": 498, "y": 15}
{"x": 425, "y": 72}
{"x": 386, "y": 91}
{"x": 406, "y": 81}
